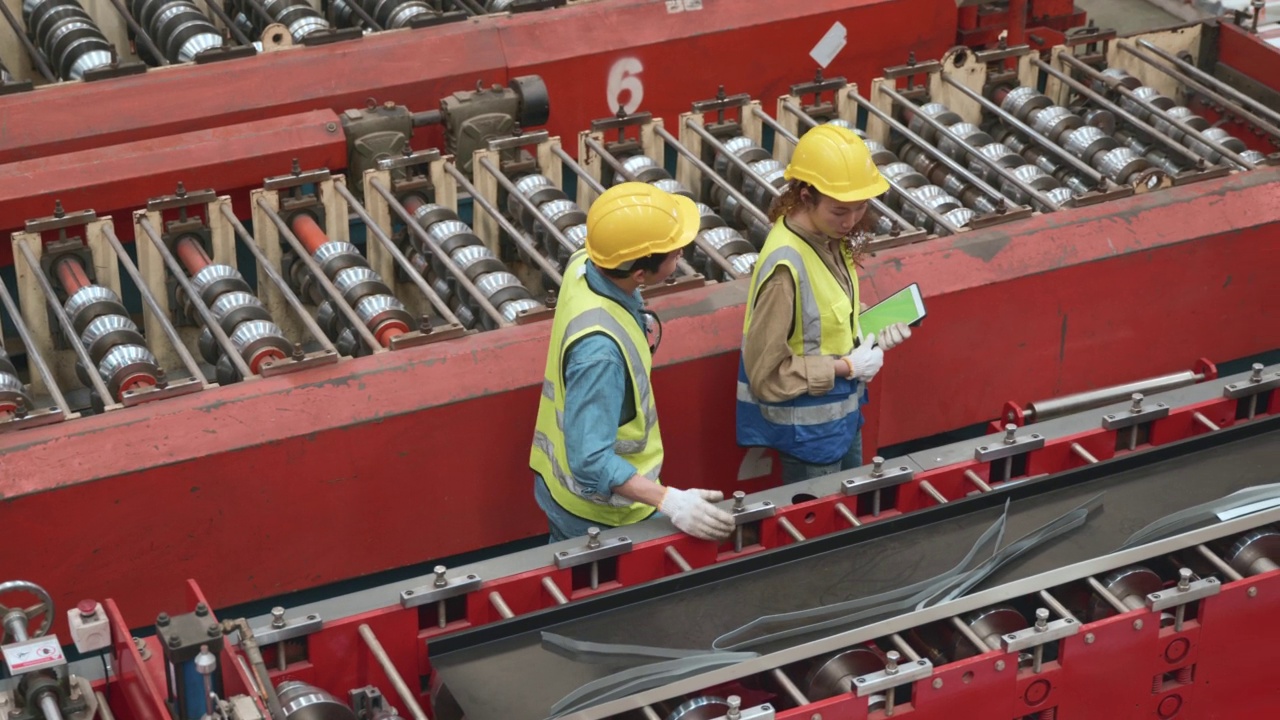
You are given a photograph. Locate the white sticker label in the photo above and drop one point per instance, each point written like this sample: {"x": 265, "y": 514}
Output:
{"x": 33, "y": 654}
{"x": 625, "y": 89}
{"x": 675, "y": 6}
{"x": 692, "y": 5}
{"x": 830, "y": 45}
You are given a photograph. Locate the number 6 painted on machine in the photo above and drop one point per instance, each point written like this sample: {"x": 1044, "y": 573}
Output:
{"x": 624, "y": 77}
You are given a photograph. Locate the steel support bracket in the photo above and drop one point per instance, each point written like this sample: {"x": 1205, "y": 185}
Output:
{"x": 292, "y": 628}
{"x": 452, "y": 587}
{"x": 1004, "y": 448}
{"x": 888, "y": 477}
{"x": 75, "y": 218}
{"x": 878, "y": 682}
{"x": 1250, "y": 386}
{"x": 754, "y": 512}
{"x": 1173, "y": 597}
{"x": 759, "y": 712}
{"x": 1144, "y": 415}
{"x": 518, "y": 141}
{"x": 292, "y": 180}
{"x": 417, "y": 157}
{"x": 1032, "y": 636}
{"x": 606, "y": 548}
{"x": 187, "y": 199}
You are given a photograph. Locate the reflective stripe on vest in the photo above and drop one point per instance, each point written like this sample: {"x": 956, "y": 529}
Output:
{"x": 581, "y": 312}
{"x": 784, "y": 414}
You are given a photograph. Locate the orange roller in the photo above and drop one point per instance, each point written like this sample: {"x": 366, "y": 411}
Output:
{"x": 72, "y": 275}
{"x": 192, "y": 255}
{"x": 308, "y": 231}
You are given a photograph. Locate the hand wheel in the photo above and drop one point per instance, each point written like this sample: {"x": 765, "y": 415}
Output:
{"x": 42, "y": 608}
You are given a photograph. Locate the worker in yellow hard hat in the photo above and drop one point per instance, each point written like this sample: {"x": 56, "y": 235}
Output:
{"x": 805, "y": 363}
{"x": 597, "y": 450}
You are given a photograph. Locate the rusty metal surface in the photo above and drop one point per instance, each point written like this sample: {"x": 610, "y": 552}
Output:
{"x": 693, "y": 618}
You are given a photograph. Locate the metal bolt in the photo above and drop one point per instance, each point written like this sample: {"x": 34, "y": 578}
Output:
{"x": 1137, "y": 403}
{"x": 331, "y": 127}
{"x": 877, "y": 466}
{"x": 201, "y": 609}
{"x": 1042, "y": 619}
{"x": 1137, "y": 624}
{"x": 440, "y": 579}
{"x": 277, "y": 617}
{"x": 1184, "y": 579}
{"x": 162, "y": 619}
{"x": 295, "y": 167}
{"x": 1089, "y": 638}
{"x": 174, "y": 641}
{"x": 891, "y": 664}
{"x": 999, "y": 665}
{"x": 214, "y": 630}
{"x": 739, "y": 501}
{"x": 182, "y": 189}
{"x": 735, "y": 704}
{"x": 593, "y": 537}
{"x": 298, "y": 352}
{"x": 1253, "y": 592}
{"x": 1010, "y": 434}
{"x": 1256, "y": 377}
{"x": 937, "y": 683}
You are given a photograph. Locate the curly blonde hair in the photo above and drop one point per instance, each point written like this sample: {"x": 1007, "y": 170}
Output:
{"x": 794, "y": 197}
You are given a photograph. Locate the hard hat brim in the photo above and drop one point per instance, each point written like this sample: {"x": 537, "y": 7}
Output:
{"x": 690, "y": 223}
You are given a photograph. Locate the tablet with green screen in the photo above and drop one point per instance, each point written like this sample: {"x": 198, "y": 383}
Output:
{"x": 905, "y": 306}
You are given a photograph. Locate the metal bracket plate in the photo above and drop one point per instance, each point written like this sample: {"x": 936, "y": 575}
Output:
{"x": 1120, "y": 420}
{"x": 754, "y": 512}
{"x": 759, "y": 712}
{"x": 922, "y": 68}
{"x": 417, "y": 157}
{"x": 185, "y": 386}
{"x": 878, "y": 682}
{"x": 75, "y": 218}
{"x": 614, "y": 123}
{"x": 725, "y": 103}
{"x": 998, "y": 448}
{"x": 1031, "y": 637}
{"x": 292, "y": 628}
{"x": 417, "y": 338}
{"x": 518, "y": 141}
{"x": 34, "y": 418}
{"x": 1173, "y": 597}
{"x": 608, "y": 547}
{"x": 271, "y": 368}
{"x": 306, "y": 177}
{"x": 169, "y": 202}
{"x": 1247, "y": 387}
{"x": 888, "y": 477}
{"x": 453, "y": 587}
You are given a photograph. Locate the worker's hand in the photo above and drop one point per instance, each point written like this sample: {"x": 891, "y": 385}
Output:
{"x": 866, "y": 360}
{"x": 693, "y": 513}
{"x": 893, "y": 336}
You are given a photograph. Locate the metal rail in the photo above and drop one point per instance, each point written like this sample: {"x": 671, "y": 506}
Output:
{"x": 412, "y": 223}
{"x": 339, "y": 303}
{"x": 1158, "y": 112}
{"x": 294, "y": 303}
{"x": 34, "y": 357}
{"x": 517, "y": 236}
{"x": 197, "y": 302}
{"x": 414, "y": 276}
{"x": 170, "y": 332}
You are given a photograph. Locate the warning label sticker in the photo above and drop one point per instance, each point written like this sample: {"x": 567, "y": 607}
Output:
{"x": 33, "y": 654}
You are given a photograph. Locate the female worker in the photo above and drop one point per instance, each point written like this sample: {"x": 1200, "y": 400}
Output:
{"x": 805, "y": 363}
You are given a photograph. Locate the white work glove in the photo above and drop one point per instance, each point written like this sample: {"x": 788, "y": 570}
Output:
{"x": 866, "y": 360}
{"x": 693, "y": 513}
{"x": 893, "y": 336}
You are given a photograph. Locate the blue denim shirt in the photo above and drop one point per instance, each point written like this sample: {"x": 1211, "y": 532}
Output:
{"x": 598, "y": 399}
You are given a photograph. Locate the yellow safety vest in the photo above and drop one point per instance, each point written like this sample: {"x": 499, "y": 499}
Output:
{"x": 823, "y": 311}
{"x": 580, "y": 311}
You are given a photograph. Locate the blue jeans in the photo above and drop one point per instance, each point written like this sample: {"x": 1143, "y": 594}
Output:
{"x": 562, "y": 523}
{"x": 795, "y": 470}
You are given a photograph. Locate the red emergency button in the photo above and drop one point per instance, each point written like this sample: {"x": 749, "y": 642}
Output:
{"x": 87, "y": 608}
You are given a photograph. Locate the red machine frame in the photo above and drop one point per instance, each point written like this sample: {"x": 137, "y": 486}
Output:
{"x": 1114, "y": 667}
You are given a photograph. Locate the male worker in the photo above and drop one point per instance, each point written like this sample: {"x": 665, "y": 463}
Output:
{"x": 805, "y": 362}
{"x": 597, "y": 451}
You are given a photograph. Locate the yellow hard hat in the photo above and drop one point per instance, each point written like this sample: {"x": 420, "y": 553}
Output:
{"x": 837, "y": 163}
{"x": 635, "y": 219}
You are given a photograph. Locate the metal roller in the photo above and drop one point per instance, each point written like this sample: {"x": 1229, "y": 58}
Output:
{"x": 989, "y": 625}
{"x": 389, "y": 14}
{"x": 233, "y": 308}
{"x": 938, "y": 112}
{"x": 971, "y": 134}
{"x": 297, "y": 16}
{"x": 1255, "y": 553}
{"x": 706, "y": 707}
{"x": 91, "y": 302}
{"x": 257, "y": 341}
{"x": 1130, "y": 586}
{"x": 335, "y": 256}
{"x": 1055, "y": 120}
{"x": 128, "y": 367}
{"x": 644, "y": 169}
{"x": 107, "y": 331}
{"x": 1002, "y": 155}
{"x": 1022, "y": 101}
{"x": 68, "y": 36}
{"x": 216, "y": 280}
{"x": 835, "y": 674}
{"x": 302, "y": 701}
{"x": 178, "y": 27}
{"x": 1088, "y": 142}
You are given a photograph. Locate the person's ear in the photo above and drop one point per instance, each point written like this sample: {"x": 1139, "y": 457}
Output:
{"x": 638, "y": 276}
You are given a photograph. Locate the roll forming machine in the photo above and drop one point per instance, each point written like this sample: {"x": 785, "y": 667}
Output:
{"x": 303, "y": 298}
{"x": 1118, "y": 561}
